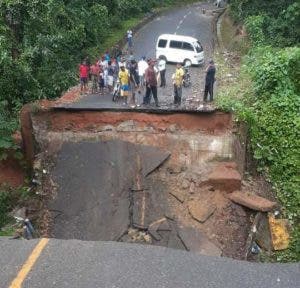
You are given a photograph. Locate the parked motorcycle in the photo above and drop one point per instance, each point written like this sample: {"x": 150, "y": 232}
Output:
{"x": 187, "y": 77}
{"x": 116, "y": 91}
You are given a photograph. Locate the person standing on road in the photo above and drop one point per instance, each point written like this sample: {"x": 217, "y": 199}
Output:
{"x": 162, "y": 71}
{"x": 95, "y": 70}
{"x": 177, "y": 82}
{"x": 124, "y": 81}
{"x": 142, "y": 66}
{"x": 129, "y": 39}
{"x": 84, "y": 74}
{"x": 151, "y": 84}
{"x": 134, "y": 81}
{"x": 209, "y": 81}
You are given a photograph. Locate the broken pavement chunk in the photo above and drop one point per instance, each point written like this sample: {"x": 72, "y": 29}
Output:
{"x": 196, "y": 241}
{"x": 252, "y": 201}
{"x": 201, "y": 211}
{"x": 177, "y": 195}
{"x": 153, "y": 227}
{"x": 225, "y": 177}
{"x": 279, "y": 233}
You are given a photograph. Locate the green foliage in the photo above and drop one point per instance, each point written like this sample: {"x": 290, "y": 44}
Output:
{"x": 271, "y": 107}
{"x": 6, "y": 204}
{"x": 275, "y": 23}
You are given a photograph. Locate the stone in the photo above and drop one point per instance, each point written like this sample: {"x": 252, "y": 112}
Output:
{"x": 173, "y": 128}
{"x": 178, "y": 195}
{"x": 225, "y": 177}
{"x": 262, "y": 233}
{"x": 126, "y": 126}
{"x": 19, "y": 213}
{"x": 107, "y": 128}
{"x": 196, "y": 241}
{"x": 252, "y": 201}
{"x": 153, "y": 227}
{"x": 185, "y": 184}
{"x": 192, "y": 188}
{"x": 200, "y": 211}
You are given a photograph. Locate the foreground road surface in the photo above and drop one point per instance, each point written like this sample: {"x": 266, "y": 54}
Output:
{"x": 73, "y": 263}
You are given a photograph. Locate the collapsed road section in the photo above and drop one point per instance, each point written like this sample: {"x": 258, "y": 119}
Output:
{"x": 139, "y": 177}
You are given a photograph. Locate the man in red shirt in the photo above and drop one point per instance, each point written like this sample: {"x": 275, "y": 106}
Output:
{"x": 151, "y": 74}
{"x": 84, "y": 74}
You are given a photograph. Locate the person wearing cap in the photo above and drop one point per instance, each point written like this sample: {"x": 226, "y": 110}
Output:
{"x": 124, "y": 81}
{"x": 142, "y": 66}
{"x": 209, "y": 81}
{"x": 177, "y": 81}
{"x": 151, "y": 84}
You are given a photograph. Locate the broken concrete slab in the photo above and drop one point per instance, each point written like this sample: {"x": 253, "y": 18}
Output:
{"x": 200, "y": 210}
{"x": 196, "y": 241}
{"x": 252, "y": 201}
{"x": 149, "y": 205}
{"x": 178, "y": 195}
{"x": 225, "y": 177}
{"x": 262, "y": 234}
{"x": 153, "y": 228}
{"x": 93, "y": 208}
{"x": 152, "y": 158}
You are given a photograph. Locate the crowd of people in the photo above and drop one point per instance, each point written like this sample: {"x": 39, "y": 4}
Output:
{"x": 138, "y": 79}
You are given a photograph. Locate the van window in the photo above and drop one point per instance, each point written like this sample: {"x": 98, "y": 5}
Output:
{"x": 162, "y": 43}
{"x": 198, "y": 47}
{"x": 187, "y": 46}
{"x": 175, "y": 44}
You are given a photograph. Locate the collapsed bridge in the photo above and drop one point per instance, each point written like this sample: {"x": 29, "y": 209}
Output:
{"x": 139, "y": 176}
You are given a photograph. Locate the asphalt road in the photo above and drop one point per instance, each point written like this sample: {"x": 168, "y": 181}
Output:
{"x": 76, "y": 263}
{"x": 189, "y": 21}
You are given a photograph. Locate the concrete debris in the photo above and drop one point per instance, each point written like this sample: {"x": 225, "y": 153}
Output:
{"x": 185, "y": 184}
{"x": 19, "y": 213}
{"x": 262, "y": 231}
{"x": 178, "y": 195}
{"x": 192, "y": 188}
{"x": 225, "y": 177}
{"x": 137, "y": 236}
{"x": 200, "y": 211}
{"x": 196, "y": 241}
{"x": 252, "y": 201}
{"x": 107, "y": 128}
{"x": 126, "y": 126}
{"x": 279, "y": 229}
{"x": 153, "y": 228}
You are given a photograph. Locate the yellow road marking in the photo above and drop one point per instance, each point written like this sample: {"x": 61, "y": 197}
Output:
{"x": 36, "y": 252}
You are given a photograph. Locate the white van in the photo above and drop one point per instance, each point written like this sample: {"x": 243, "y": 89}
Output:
{"x": 180, "y": 49}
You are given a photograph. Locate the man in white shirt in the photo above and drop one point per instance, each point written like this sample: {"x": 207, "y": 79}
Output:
{"x": 142, "y": 66}
{"x": 129, "y": 39}
{"x": 162, "y": 71}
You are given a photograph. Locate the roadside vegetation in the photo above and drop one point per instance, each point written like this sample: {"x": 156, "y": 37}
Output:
{"x": 266, "y": 95}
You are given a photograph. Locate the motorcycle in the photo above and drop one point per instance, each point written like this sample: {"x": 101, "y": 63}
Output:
{"x": 186, "y": 77}
{"x": 116, "y": 91}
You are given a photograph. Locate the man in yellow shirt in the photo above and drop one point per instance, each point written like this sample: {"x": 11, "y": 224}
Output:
{"x": 177, "y": 81}
{"x": 124, "y": 81}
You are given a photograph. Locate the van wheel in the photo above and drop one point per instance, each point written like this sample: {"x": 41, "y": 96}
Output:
{"x": 187, "y": 62}
{"x": 163, "y": 58}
